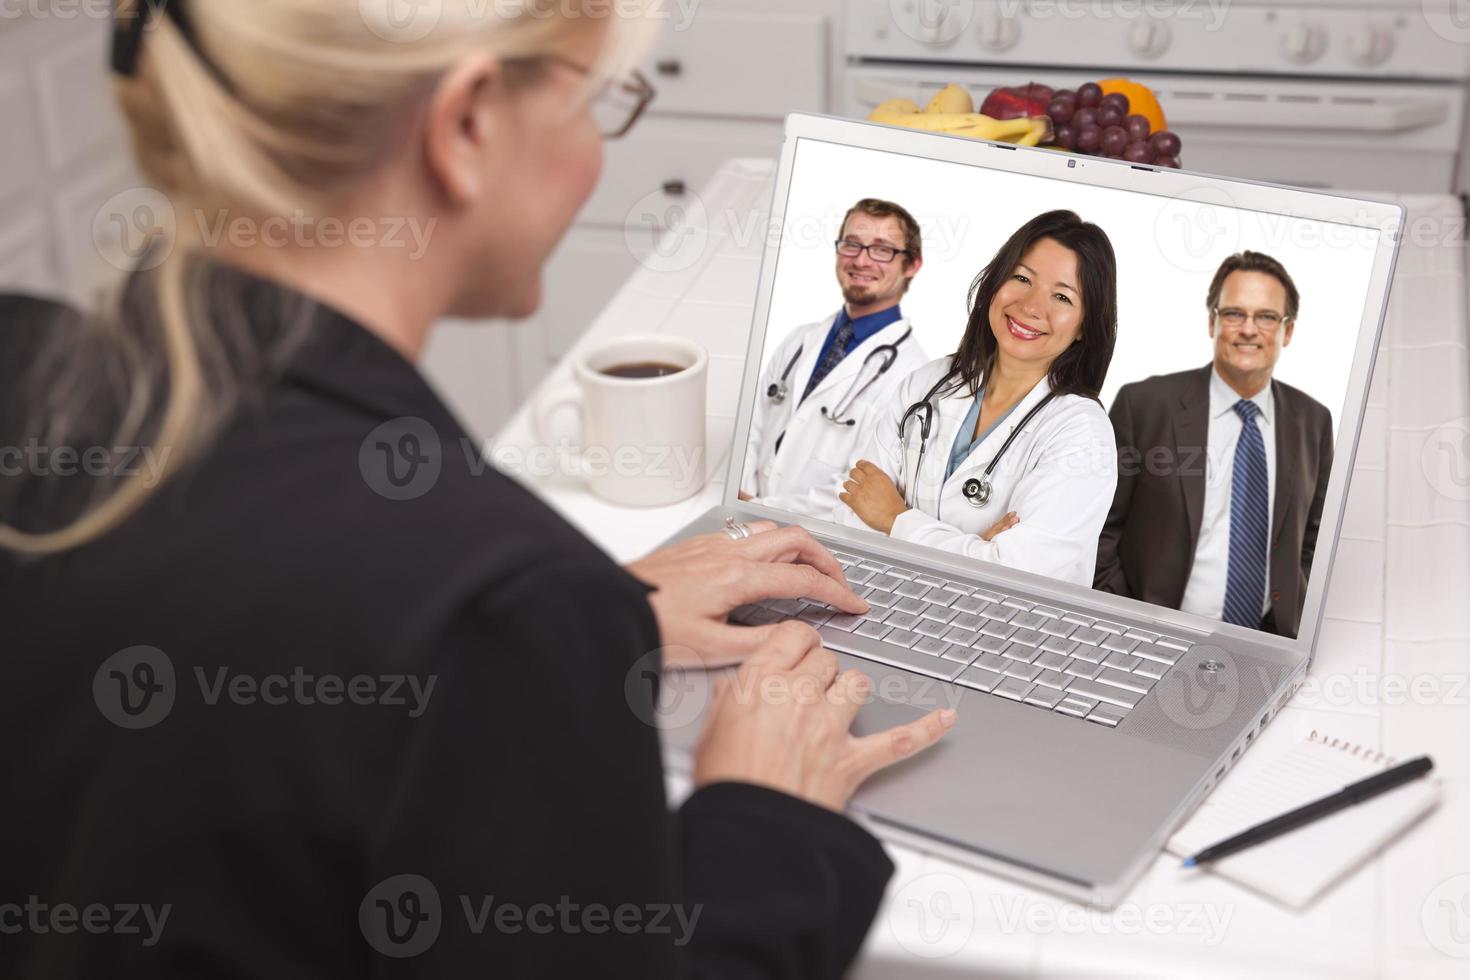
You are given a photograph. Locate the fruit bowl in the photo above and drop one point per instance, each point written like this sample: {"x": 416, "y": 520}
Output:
{"x": 1116, "y": 118}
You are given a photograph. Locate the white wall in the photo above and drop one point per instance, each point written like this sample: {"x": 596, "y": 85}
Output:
{"x": 62, "y": 157}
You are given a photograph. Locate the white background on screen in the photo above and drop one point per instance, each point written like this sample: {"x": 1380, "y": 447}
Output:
{"x": 1166, "y": 253}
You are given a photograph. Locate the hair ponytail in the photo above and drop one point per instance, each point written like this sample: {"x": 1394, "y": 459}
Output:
{"x": 268, "y": 108}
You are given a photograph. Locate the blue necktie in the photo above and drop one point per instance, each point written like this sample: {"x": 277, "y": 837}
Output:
{"x": 1245, "y": 577}
{"x": 832, "y": 356}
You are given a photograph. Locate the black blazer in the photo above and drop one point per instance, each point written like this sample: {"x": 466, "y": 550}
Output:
{"x": 267, "y": 817}
{"x": 1146, "y": 549}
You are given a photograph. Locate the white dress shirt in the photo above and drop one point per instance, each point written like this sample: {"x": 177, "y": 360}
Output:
{"x": 1204, "y": 595}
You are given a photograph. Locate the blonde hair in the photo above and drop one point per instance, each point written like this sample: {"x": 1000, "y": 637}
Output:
{"x": 270, "y": 107}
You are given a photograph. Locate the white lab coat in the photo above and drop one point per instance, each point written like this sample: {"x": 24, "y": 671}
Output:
{"x": 1058, "y": 476}
{"x": 803, "y": 476}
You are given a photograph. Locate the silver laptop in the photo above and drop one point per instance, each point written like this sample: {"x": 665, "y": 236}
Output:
{"x": 1090, "y": 724}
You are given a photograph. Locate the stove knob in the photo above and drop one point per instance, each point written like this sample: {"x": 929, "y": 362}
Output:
{"x": 999, "y": 31}
{"x": 1303, "y": 43}
{"x": 1149, "y": 37}
{"x": 1370, "y": 45}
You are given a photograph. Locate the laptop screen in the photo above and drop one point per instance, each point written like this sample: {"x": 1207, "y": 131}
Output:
{"x": 1114, "y": 389}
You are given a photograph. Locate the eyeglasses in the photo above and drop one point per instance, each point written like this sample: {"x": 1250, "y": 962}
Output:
{"x": 878, "y": 253}
{"x": 617, "y": 106}
{"x": 1265, "y": 320}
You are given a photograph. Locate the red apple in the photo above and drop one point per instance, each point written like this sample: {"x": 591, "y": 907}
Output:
{"x": 1038, "y": 91}
{"x": 1015, "y": 101}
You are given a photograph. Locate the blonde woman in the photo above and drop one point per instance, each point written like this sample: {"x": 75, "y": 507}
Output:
{"x": 317, "y": 726}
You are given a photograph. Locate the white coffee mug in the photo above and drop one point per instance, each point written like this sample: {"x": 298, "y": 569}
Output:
{"x": 642, "y": 438}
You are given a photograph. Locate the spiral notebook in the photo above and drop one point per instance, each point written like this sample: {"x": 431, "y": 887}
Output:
{"x": 1300, "y": 865}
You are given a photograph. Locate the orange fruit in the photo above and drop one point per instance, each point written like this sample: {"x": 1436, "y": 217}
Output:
{"x": 1141, "y": 100}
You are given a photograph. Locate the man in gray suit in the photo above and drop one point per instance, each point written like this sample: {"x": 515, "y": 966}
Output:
{"x": 1221, "y": 469}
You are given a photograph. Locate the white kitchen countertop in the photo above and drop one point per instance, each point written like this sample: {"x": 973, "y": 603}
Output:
{"x": 1392, "y": 668}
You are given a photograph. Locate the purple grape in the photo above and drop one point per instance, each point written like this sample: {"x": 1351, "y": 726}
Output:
{"x": 1117, "y": 100}
{"x": 1065, "y": 93}
{"x": 1061, "y": 110}
{"x": 1137, "y": 126}
{"x": 1109, "y": 115}
{"x": 1064, "y": 136}
{"x": 1165, "y": 144}
{"x": 1166, "y": 162}
{"x": 1114, "y": 139}
{"x": 1089, "y": 138}
{"x": 1138, "y": 152}
{"x": 1085, "y": 116}
{"x": 1089, "y": 94}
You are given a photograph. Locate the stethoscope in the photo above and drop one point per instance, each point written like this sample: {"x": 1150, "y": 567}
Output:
{"x": 886, "y": 353}
{"x": 976, "y": 491}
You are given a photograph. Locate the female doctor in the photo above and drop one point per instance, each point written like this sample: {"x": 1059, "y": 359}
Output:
{"x": 1002, "y": 451}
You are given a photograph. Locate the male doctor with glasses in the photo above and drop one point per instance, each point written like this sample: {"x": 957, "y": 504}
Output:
{"x": 816, "y": 392}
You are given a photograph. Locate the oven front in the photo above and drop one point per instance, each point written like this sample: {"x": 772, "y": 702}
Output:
{"x": 1331, "y": 95}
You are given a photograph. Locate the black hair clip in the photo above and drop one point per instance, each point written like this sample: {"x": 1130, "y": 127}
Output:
{"x": 127, "y": 34}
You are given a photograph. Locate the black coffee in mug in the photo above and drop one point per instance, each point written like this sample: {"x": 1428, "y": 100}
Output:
{"x": 643, "y": 369}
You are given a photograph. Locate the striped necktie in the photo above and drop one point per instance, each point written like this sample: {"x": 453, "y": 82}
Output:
{"x": 1245, "y": 577}
{"x": 832, "y": 357}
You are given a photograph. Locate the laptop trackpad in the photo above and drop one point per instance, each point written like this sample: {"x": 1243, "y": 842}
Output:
{"x": 879, "y": 716}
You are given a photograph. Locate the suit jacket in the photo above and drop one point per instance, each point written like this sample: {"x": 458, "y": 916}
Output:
{"x": 1147, "y": 546}
{"x": 279, "y": 829}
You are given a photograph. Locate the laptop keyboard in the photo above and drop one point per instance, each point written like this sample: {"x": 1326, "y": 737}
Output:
{"x": 1045, "y": 656}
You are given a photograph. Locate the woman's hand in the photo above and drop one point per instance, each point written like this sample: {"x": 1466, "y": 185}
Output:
{"x": 1004, "y": 524}
{"x": 784, "y": 721}
{"x": 700, "y": 581}
{"x": 872, "y": 496}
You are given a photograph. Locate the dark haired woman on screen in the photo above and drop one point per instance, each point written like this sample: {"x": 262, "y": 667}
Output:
{"x": 1002, "y": 451}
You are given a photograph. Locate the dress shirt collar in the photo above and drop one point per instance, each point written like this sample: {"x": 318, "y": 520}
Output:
{"x": 1223, "y": 398}
{"x": 865, "y": 326}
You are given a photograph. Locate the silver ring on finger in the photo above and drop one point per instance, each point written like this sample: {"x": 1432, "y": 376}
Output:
{"x": 736, "y": 530}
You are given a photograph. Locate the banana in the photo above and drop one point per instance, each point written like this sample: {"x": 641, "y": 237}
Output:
{"x": 951, "y": 98}
{"x": 894, "y": 107}
{"x": 1040, "y": 130}
{"x": 905, "y": 112}
{"x": 962, "y": 123}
